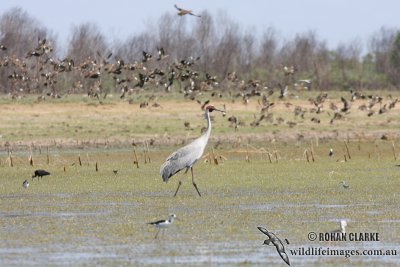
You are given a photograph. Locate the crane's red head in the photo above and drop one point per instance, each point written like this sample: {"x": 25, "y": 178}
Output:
{"x": 212, "y": 108}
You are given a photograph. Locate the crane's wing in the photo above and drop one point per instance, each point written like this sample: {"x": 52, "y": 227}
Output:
{"x": 183, "y": 158}
{"x": 170, "y": 166}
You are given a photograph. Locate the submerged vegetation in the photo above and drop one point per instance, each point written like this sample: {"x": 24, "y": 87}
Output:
{"x": 78, "y": 215}
{"x": 105, "y": 185}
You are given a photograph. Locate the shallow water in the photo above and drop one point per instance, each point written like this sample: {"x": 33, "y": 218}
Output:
{"x": 174, "y": 252}
{"x": 172, "y": 247}
{"x": 84, "y": 218}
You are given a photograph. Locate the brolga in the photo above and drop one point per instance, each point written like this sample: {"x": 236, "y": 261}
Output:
{"x": 187, "y": 156}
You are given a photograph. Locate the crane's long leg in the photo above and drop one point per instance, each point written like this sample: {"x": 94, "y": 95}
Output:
{"x": 194, "y": 184}
{"x": 179, "y": 185}
{"x": 157, "y": 233}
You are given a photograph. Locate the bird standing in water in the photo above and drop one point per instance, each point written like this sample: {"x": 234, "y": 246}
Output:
{"x": 163, "y": 224}
{"x": 342, "y": 229}
{"x": 345, "y": 186}
{"x": 187, "y": 156}
{"x": 25, "y": 184}
{"x": 40, "y": 174}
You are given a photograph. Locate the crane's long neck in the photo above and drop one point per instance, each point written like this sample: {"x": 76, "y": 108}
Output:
{"x": 208, "y": 132}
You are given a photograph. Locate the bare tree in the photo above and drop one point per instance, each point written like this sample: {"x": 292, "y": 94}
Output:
{"x": 247, "y": 55}
{"x": 395, "y": 61}
{"x": 380, "y": 46}
{"x": 86, "y": 42}
{"x": 204, "y": 32}
{"x": 347, "y": 59}
{"x": 228, "y": 45}
{"x": 321, "y": 67}
{"x": 268, "y": 53}
{"x": 198, "y": 50}
{"x": 20, "y": 32}
{"x": 132, "y": 49}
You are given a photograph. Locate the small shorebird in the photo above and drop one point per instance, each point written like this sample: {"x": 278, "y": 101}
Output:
{"x": 342, "y": 229}
{"x": 274, "y": 240}
{"x": 25, "y": 184}
{"x": 330, "y": 152}
{"x": 345, "y": 186}
{"x": 163, "y": 224}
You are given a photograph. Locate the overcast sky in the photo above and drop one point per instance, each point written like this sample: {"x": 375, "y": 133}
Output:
{"x": 336, "y": 21}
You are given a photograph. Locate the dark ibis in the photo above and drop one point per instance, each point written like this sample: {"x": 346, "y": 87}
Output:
{"x": 40, "y": 174}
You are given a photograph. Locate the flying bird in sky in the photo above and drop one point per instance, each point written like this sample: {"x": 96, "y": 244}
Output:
{"x": 183, "y": 12}
{"x": 274, "y": 240}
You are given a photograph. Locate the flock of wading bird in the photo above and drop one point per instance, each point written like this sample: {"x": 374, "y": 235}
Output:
{"x": 41, "y": 69}
{"x": 41, "y": 72}
{"x": 28, "y": 75}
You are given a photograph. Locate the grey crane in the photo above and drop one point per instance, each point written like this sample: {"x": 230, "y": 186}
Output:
{"x": 187, "y": 156}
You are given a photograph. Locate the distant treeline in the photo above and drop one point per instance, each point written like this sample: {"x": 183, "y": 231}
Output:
{"x": 211, "y": 49}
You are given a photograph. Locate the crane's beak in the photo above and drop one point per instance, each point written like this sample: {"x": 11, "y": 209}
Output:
{"x": 222, "y": 111}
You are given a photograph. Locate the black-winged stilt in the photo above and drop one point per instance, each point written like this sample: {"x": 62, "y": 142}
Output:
{"x": 25, "y": 184}
{"x": 345, "y": 186}
{"x": 163, "y": 224}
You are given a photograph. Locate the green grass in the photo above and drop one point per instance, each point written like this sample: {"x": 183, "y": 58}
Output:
{"x": 73, "y": 122}
{"x": 101, "y": 214}
{"x": 78, "y": 216}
